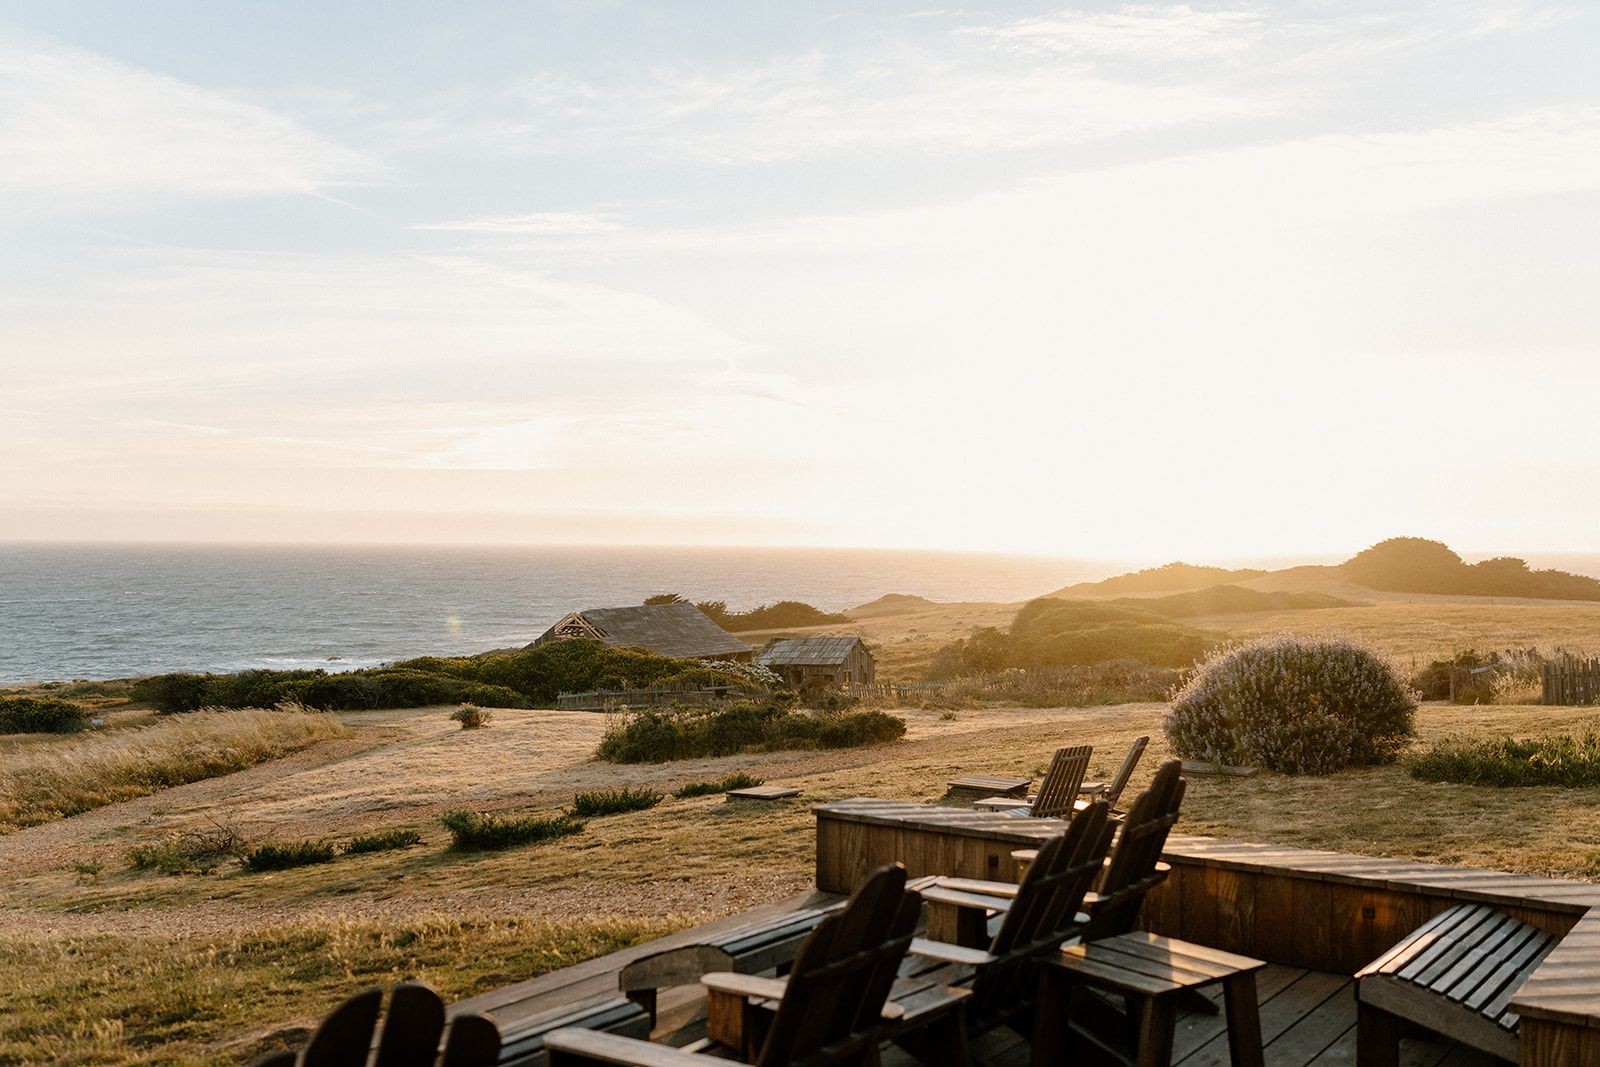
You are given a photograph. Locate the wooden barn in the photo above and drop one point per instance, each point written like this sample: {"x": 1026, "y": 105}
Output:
{"x": 681, "y": 631}
{"x": 808, "y": 662}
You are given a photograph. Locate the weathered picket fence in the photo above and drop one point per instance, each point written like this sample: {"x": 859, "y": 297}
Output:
{"x": 1571, "y": 680}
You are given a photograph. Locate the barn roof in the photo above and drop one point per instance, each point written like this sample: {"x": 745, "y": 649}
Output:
{"x": 807, "y": 651}
{"x": 678, "y": 630}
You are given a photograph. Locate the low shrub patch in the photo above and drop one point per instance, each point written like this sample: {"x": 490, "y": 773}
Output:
{"x": 383, "y": 842}
{"x": 721, "y": 785}
{"x": 40, "y": 715}
{"x": 193, "y": 851}
{"x": 656, "y": 735}
{"x": 293, "y": 854}
{"x": 471, "y": 717}
{"x": 472, "y": 831}
{"x": 1293, "y": 706}
{"x": 1564, "y": 760}
{"x": 615, "y": 801}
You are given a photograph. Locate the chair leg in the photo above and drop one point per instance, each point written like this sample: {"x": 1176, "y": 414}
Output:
{"x": 1052, "y": 1019}
{"x": 1158, "y": 1023}
{"x": 1244, "y": 1020}
{"x": 1377, "y": 1037}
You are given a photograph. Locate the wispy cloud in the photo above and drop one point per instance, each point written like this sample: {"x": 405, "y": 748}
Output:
{"x": 80, "y": 130}
{"x": 535, "y": 224}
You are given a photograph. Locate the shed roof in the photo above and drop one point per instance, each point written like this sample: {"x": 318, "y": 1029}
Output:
{"x": 807, "y": 651}
{"x": 680, "y": 630}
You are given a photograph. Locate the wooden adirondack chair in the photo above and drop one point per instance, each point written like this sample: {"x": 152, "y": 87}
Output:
{"x": 410, "y": 1035}
{"x": 831, "y": 1009}
{"x": 1043, "y": 913}
{"x": 1112, "y": 791}
{"x": 1058, "y": 793}
{"x": 1135, "y": 866}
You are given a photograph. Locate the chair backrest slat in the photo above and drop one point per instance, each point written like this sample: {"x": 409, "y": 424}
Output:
{"x": 1044, "y": 912}
{"x": 833, "y": 1003}
{"x": 1120, "y": 782}
{"x": 348, "y": 1027}
{"x": 411, "y": 1027}
{"x": 1059, "y": 790}
{"x": 1131, "y": 871}
{"x": 472, "y": 1041}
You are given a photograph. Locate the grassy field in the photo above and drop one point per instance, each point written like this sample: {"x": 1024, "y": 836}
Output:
{"x": 90, "y": 937}
{"x": 1414, "y": 630}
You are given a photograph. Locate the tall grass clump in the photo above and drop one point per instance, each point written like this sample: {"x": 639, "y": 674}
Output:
{"x": 81, "y": 773}
{"x": 198, "y": 851}
{"x": 614, "y": 801}
{"x": 472, "y": 831}
{"x": 1562, "y": 760}
{"x": 40, "y": 715}
{"x": 471, "y": 717}
{"x": 1298, "y": 706}
{"x": 656, "y": 735}
{"x": 739, "y": 780}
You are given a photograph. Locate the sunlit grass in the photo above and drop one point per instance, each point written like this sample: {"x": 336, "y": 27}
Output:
{"x": 46, "y": 782}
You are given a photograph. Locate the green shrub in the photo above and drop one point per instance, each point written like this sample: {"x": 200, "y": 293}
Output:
{"x": 739, "y": 780}
{"x": 386, "y": 841}
{"x": 40, "y": 715}
{"x": 1053, "y": 633}
{"x": 614, "y": 801}
{"x": 294, "y": 854}
{"x": 1295, "y": 706}
{"x": 171, "y": 694}
{"x": 656, "y": 735}
{"x": 1563, "y": 760}
{"x": 471, "y": 717}
{"x": 472, "y": 831}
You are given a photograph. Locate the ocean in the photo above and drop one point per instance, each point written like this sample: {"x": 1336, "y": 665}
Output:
{"x": 110, "y": 611}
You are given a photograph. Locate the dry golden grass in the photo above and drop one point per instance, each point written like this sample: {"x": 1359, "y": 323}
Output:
{"x": 147, "y": 999}
{"x": 61, "y": 776}
{"x": 686, "y": 860}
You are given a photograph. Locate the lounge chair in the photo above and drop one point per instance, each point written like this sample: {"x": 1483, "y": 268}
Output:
{"x": 1112, "y": 791}
{"x": 831, "y": 1009}
{"x": 1058, "y": 793}
{"x": 1043, "y": 913}
{"x": 409, "y": 1037}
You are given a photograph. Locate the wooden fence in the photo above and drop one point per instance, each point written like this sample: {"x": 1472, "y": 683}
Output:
{"x": 1571, "y": 681}
{"x": 654, "y": 697}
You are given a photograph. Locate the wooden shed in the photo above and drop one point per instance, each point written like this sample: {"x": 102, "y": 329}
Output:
{"x": 807, "y": 662}
{"x": 681, "y": 631}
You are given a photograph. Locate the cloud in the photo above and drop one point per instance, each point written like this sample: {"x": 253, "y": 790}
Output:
{"x": 536, "y": 224}
{"x": 1141, "y": 31}
{"x": 79, "y": 130}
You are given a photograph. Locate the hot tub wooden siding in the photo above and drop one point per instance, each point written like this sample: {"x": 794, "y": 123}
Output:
{"x": 1326, "y": 911}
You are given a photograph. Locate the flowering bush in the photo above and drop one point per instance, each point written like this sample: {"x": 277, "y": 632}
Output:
{"x": 1295, "y": 706}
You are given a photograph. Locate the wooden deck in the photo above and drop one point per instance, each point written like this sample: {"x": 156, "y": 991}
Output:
{"x": 1297, "y": 907}
{"x": 1308, "y": 1019}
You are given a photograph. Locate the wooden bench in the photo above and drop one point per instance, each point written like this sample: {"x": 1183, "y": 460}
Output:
{"x": 1154, "y": 973}
{"x": 767, "y": 945}
{"x": 1453, "y": 975}
{"x": 523, "y": 1045}
{"x": 991, "y": 785}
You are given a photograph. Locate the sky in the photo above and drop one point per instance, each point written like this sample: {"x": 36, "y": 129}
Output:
{"x": 1129, "y": 281}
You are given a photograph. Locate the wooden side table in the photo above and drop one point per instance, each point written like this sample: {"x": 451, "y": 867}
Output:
{"x": 1153, "y": 973}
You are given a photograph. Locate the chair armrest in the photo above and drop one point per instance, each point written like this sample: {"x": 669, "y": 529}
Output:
{"x": 614, "y": 1048}
{"x": 938, "y": 950}
{"x": 744, "y": 985}
{"x": 1092, "y": 787}
{"x": 957, "y": 898}
{"x": 976, "y": 885}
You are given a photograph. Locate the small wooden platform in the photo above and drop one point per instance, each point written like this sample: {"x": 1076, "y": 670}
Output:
{"x": 991, "y": 785}
{"x": 764, "y": 792}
